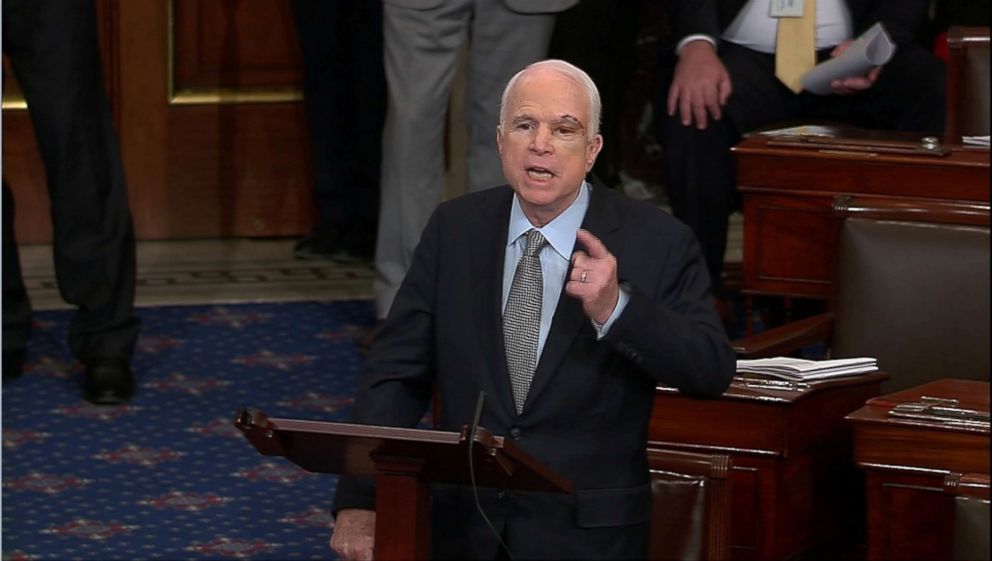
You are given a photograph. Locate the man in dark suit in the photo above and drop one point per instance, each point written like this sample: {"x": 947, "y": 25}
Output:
{"x": 722, "y": 84}
{"x": 52, "y": 46}
{"x": 625, "y": 305}
{"x": 344, "y": 93}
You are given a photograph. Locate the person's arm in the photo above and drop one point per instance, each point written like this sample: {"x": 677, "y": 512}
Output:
{"x": 675, "y": 336}
{"x": 902, "y": 19}
{"x": 698, "y": 17}
{"x": 671, "y": 331}
{"x": 852, "y": 84}
{"x": 700, "y": 84}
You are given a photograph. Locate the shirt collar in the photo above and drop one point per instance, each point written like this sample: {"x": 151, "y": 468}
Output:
{"x": 561, "y": 231}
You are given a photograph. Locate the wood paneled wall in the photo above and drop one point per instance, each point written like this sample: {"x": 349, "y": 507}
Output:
{"x": 208, "y": 109}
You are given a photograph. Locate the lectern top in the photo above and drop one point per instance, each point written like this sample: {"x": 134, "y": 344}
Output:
{"x": 366, "y": 450}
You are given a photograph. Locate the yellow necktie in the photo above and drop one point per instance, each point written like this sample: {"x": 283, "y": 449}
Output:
{"x": 795, "y": 47}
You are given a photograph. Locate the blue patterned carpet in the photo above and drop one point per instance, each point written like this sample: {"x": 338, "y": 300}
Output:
{"x": 167, "y": 476}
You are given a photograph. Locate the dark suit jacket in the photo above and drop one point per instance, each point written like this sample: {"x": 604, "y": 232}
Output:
{"x": 587, "y": 410}
{"x": 901, "y": 18}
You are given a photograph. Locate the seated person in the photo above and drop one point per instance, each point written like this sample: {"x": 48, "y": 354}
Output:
{"x": 723, "y": 83}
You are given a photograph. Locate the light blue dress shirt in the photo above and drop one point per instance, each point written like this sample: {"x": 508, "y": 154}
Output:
{"x": 555, "y": 257}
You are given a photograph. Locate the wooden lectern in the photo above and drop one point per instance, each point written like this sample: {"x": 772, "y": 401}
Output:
{"x": 404, "y": 462}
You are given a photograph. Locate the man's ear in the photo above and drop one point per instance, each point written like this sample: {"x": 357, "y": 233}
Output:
{"x": 594, "y": 147}
{"x": 499, "y": 139}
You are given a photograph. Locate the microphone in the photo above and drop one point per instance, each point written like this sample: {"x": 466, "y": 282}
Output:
{"x": 477, "y": 417}
{"x": 473, "y": 429}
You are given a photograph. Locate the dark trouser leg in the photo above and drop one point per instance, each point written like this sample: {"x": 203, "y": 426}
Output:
{"x": 52, "y": 45}
{"x": 600, "y": 36}
{"x": 699, "y": 173}
{"x": 16, "y": 304}
{"x": 344, "y": 96}
{"x": 699, "y": 178}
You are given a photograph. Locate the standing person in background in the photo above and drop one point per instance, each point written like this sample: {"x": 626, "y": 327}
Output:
{"x": 423, "y": 39}
{"x": 721, "y": 83}
{"x": 53, "y": 49}
{"x": 566, "y": 304}
{"x": 344, "y": 92}
{"x": 601, "y": 37}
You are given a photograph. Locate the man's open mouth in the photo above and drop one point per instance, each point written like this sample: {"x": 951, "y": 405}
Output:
{"x": 539, "y": 173}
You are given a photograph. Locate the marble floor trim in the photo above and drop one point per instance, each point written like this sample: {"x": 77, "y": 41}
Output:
{"x": 236, "y": 270}
{"x": 214, "y": 272}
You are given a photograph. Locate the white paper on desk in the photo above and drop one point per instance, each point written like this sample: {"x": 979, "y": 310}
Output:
{"x": 802, "y": 130}
{"x": 980, "y": 140}
{"x": 873, "y": 48}
{"x": 790, "y": 368}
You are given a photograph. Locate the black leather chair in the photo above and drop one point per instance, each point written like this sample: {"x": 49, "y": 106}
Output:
{"x": 691, "y": 505}
{"x": 971, "y": 516}
{"x": 912, "y": 290}
{"x": 967, "y": 82}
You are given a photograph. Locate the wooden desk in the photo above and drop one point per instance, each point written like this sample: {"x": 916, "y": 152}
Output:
{"x": 794, "y": 485}
{"x": 788, "y": 189}
{"x": 911, "y": 465}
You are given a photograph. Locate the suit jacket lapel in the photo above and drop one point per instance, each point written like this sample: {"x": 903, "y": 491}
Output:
{"x": 487, "y": 274}
{"x": 602, "y": 220}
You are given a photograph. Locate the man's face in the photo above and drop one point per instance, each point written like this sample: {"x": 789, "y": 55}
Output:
{"x": 544, "y": 143}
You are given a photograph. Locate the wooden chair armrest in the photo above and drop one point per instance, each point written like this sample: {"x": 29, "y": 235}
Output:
{"x": 786, "y": 339}
{"x": 713, "y": 466}
{"x": 975, "y": 485}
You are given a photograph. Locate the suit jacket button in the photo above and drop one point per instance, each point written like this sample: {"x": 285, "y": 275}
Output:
{"x": 501, "y": 495}
{"x": 516, "y": 433}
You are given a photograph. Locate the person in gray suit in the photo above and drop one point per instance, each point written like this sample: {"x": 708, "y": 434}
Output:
{"x": 423, "y": 39}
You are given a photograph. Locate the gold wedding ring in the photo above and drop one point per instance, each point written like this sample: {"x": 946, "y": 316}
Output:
{"x": 582, "y": 277}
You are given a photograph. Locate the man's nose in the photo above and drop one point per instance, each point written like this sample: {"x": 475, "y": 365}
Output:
{"x": 542, "y": 141}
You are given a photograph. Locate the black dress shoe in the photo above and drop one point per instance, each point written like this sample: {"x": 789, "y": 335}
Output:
{"x": 108, "y": 381}
{"x": 347, "y": 249}
{"x": 317, "y": 247}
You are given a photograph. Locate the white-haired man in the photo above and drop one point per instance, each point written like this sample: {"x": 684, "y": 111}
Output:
{"x": 623, "y": 304}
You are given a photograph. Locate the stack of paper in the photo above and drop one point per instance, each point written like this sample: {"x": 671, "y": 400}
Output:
{"x": 976, "y": 140}
{"x": 801, "y": 369}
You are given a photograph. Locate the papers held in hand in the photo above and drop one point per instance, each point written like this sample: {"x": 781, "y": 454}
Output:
{"x": 873, "y": 48}
{"x": 803, "y": 370}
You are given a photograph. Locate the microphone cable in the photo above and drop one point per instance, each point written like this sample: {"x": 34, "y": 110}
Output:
{"x": 471, "y": 473}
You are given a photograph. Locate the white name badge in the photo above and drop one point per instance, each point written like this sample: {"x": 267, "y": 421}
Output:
{"x": 787, "y": 8}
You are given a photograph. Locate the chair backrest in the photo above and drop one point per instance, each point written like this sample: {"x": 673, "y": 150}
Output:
{"x": 913, "y": 289}
{"x": 967, "y": 82}
{"x": 971, "y": 516}
{"x": 690, "y": 517}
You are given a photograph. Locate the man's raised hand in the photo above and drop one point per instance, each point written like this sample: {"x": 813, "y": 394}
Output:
{"x": 593, "y": 279}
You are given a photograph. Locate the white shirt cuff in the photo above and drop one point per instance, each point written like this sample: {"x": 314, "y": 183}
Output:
{"x": 694, "y": 37}
{"x": 622, "y": 299}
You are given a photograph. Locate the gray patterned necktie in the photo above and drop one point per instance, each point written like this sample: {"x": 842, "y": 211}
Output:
{"x": 522, "y": 318}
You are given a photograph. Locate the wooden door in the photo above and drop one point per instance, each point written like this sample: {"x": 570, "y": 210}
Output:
{"x": 208, "y": 109}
